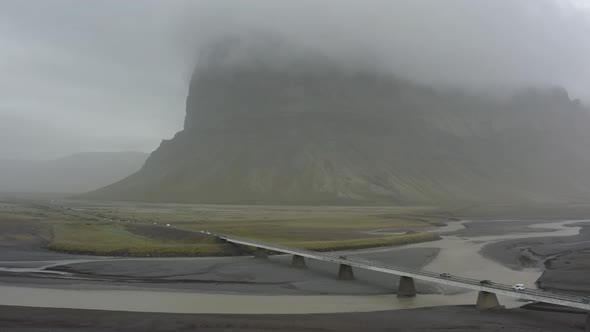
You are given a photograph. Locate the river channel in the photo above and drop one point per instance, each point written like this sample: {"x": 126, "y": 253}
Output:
{"x": 456, "y": 255}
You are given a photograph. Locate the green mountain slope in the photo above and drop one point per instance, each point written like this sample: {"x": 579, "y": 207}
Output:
{"x": 307, "y": 130}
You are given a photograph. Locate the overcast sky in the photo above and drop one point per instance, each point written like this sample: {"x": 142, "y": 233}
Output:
{"x": 112, "y": 75}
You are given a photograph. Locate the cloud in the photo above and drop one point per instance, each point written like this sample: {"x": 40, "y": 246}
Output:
{"x": 102, "y": 72}
{"x": 461, "y": 42}
{"x": 116, "y": 72}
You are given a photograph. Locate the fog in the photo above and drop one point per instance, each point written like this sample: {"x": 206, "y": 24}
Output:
{"x": 113, "y": 75}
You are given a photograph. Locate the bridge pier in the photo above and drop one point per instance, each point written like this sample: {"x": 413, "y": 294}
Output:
{"x": 588, "y": 322}
{"x": 406, "y": 287}
{"x": 260, "y": 253}
{"x": 487, "y": 300}
{"x": 345, "y": 272}
{"x": 298, "y": 262}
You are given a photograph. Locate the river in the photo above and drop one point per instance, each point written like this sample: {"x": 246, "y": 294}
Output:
{"x": 456, "y": 255}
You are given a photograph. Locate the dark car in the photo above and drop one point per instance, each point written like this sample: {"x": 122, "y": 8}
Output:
{"x": 342, "y": 257}
{"x": 485, "y": 282}
{"x": 445, "y": 275}
{"x": 586, "y": 299}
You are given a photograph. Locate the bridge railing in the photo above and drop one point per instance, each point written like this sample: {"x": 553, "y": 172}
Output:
{"x": 366, "y": 263}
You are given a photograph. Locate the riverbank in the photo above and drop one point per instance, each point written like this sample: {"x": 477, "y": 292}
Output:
{"x": 235, "y": 275}
{"x": 455, "y": 318}
{"x": 231, "y": 285}
{"x": 564, "y": 260}
{"x": 457, "y": 255}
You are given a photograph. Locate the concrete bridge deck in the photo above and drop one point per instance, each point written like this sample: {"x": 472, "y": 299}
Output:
{"x": 487, "y": 296}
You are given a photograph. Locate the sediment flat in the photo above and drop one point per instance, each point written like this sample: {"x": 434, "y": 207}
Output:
{"x": 565, "y": 260}
{"x": 246, "y": 278}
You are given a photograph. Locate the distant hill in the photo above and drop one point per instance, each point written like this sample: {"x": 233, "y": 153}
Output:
{"x": 267, "y": 127}
{"x": 77, "y": 173}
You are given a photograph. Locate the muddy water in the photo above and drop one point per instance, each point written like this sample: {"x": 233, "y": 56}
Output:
{"x": 457, "y": 255}
{"x": 460, "y": 255}
{"x": 177, "y": 302}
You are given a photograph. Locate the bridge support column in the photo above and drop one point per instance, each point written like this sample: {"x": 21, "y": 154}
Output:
{"x": 588, "y": 322}
{"x": 260, "y": 253}
{"x": 298, "y": 262}
{"x": 487, "y": 300}
{"x": 406, "y": 287}
{"x": 345, "y": 272}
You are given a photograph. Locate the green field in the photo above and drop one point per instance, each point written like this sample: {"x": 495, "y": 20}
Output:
{"x": 141, "y": 229}
{"x": 111, "y": 239}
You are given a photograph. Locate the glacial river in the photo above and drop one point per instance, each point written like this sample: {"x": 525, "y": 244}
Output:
{"x": 457, "y": 255}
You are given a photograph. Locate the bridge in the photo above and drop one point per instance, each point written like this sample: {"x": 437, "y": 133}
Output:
{"x": 488, "y": 291}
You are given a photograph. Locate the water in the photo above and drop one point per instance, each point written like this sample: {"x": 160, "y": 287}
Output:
{"x": 457, "y": 255}
{"x": 182, "y": 302}
{"x": 460, "y": 255}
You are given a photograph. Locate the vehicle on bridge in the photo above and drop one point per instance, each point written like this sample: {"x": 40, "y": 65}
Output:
{"x": 486, "y": 299}
{"x": 518, "y": 287}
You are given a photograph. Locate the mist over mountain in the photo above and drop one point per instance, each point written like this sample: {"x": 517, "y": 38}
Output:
{"x": 83, "y": 67}
{"x": 269, "y": 122}
{"x": 76, "y": 173}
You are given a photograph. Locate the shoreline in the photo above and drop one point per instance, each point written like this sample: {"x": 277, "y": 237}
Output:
{"x": 284, "y": 281}
{"x": 562, "y": 262}
{"x": 418, "y": 238}
{"x": 285, "y": 312}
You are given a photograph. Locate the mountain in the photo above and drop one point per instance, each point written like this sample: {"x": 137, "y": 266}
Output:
{"x": 76, "y": 173}
{"x": 270, "y": 124}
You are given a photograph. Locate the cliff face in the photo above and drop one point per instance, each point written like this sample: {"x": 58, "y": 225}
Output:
{"x": 262, "y": 127}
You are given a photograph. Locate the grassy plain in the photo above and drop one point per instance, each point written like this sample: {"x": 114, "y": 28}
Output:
{"x": 141, "y": 229}
{"x": 115, "y": 239}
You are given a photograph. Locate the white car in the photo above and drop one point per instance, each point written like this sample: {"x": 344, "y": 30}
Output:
{"x": 518, "y": 287}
